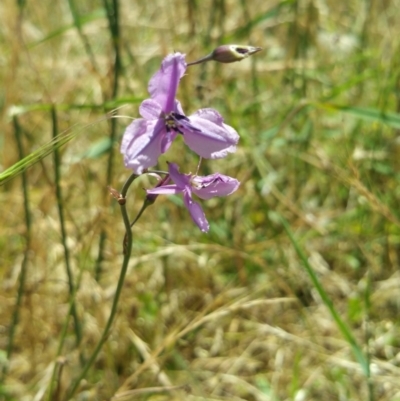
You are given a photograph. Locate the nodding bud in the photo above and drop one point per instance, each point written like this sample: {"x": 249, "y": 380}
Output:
{"x": 232, "y": 53}
{"x": 228, "y": 54}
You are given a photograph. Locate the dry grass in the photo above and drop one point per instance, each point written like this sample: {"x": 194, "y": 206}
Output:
{"x": 231, "y": 315}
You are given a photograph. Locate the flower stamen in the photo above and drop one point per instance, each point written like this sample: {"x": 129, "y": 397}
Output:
{"x": 177, "y": 122}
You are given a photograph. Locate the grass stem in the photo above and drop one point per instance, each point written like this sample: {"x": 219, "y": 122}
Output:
{"x": 112, "y": 11}
{"x": 28, "y": 239}
{"x": 340, "y": 323}
{"x": 60, "y": 207}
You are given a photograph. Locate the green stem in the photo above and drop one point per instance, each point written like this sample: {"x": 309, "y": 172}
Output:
{"x": 50, "y": 394}
{"x": 128, "y": 249}
{"x": 344, "y": 329}
{"x": 28, "y": 237}
{"x": 113, "y": 24}
{"x": 85, "y": 41}
{"x": 114, "y": 27}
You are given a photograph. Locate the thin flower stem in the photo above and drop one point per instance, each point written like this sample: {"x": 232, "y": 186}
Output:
{"x": 145, "y": 205}
{"x": 198, "y": 166}
{"x": 127, "y": 184}
{"x": 201, "y": 60}
{"x": 128, "y": 249}
{"x": 148, "y": 200}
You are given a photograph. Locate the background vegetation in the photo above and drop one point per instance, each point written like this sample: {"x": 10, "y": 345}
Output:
{"x": 294, "y": 292}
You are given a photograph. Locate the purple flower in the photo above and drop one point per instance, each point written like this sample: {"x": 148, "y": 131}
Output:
{"x": 145, "y": 139}
{"x": 204, "y": 187}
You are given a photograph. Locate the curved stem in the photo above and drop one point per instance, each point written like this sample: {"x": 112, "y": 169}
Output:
{"x": 127, "y": 184}
{"x": 124, "y": 268}
{"x": 149, "y": 200}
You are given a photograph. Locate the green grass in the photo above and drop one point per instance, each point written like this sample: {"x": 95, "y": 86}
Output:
{"x": 293, "y": 294}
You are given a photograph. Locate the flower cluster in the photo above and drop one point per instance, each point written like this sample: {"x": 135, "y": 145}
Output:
{"x": 163, "y": 119}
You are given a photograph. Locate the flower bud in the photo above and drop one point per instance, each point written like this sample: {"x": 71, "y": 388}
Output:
{"x": 228, "y": 54}
{"x": 232, "y": 53}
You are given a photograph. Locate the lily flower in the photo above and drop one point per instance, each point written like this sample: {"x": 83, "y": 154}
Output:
{"x": 146, "y": 138}
{"x": 204, "y": 187}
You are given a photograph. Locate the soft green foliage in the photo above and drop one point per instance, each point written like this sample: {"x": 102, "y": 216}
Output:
{"x": 293, "y": 294}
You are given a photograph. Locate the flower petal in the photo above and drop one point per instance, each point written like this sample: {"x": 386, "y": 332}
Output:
{"x": 141, "y": 144}
{"x": 167, "y": 140}
{"x": 150, "y": 109}
{"x": 196, "y": 212}
{"x": 182, "y": 180}
{"x": 214, "y": 185}
{"x": 165, "y": 190}
{"x": 210, "y": 138}
{"x": 164, "y": 83}
{"x": 151, "y": 198}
